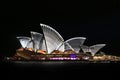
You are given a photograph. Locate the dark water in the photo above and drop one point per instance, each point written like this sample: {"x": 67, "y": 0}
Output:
{"x": 59, "y": 69}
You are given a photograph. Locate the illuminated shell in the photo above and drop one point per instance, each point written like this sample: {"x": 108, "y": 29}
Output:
{"x": 24, "y": 41}
{"x": 75, "y": 43}
{"x": 37, "y": 40}
{"x": 53, "y": 39}
{"x": 92, "y": 49}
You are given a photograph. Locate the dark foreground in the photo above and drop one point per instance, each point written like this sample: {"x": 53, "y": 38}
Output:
{"x": 59, "y": 69}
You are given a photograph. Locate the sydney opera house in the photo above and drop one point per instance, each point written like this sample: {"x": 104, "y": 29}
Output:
{"x": 51, "y": 46}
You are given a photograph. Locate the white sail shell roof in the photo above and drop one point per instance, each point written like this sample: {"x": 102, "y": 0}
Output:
{"x": 24, "y": 41}
{"x": 92, "y": 49}
{"x": 43, "y": 45}
{"x": 53, "y": 39}
{"x": 37, "y": 40}
{"x": 68, "y": 46}
{"x": 76, "y": 42}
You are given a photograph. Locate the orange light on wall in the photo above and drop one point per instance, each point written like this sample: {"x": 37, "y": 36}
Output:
{"x": 41, "y": 51}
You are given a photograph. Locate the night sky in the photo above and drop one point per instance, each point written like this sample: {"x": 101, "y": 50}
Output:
{"x": 98, "y": 21}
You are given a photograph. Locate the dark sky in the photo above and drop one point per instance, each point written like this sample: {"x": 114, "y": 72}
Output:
{"x": 98, "y": 21}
